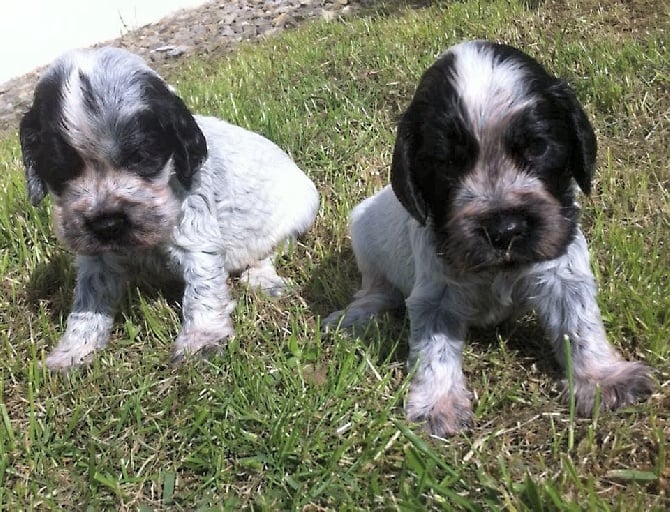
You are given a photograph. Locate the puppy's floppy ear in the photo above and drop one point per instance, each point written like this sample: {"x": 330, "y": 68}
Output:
{"x": 31, "y": 142}
{"x": 402, "y": 175}
{"x": 583, "y": 157}
{"x": 191, "y": 145}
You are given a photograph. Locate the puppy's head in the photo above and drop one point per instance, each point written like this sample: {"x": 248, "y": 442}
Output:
{"x": 486, "y": 155}
{"x": 113, "y": 145}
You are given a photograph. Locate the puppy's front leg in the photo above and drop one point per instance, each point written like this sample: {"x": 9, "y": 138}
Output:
{"x": 438, "y": 392}
{"x": 206, "y": 305}
{"x": 567, "y": 308}
{"x": 100, "y": 281}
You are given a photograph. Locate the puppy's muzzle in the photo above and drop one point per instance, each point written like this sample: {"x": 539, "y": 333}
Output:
{"x": 483, "y": 238}
{"x": 503, "y": 229}
{"x": 109, "y": 226}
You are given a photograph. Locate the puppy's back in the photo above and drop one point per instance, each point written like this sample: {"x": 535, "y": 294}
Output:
{"x": 260, "y": 192}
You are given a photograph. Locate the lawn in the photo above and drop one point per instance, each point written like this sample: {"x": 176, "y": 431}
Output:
{"x": 289, "y": 419}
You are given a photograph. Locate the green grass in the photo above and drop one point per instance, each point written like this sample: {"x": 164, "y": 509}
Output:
{"x": 289, "y": 419}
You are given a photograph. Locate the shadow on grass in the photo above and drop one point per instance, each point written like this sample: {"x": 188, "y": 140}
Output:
{"x": 335, "y": 279}
{"x": 522, "y": 336}
{"x": 51, "y": 284}
{"x": 51, "y": 288}
{"x": 330, "y": 287}
{"x": 331, "y": 283}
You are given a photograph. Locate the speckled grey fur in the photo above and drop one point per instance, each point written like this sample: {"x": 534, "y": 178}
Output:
{"x": 466, "y": 134}
{"x": 200, "y": 222}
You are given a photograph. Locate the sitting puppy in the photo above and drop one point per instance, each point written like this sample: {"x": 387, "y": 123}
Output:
{"x": 480, "y": 223}
{"x": 141, "y": 186}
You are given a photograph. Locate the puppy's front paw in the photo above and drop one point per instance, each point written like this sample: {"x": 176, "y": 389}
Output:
{"x": 444, "y": 414}
{"x": 70, "y": 353}
{"x": 621, "y": 383}
{"x": 264, "y": 277}
{"x": 331, "y": 322}
{"x": 347, "y": 319}
{"x": 275, "y": 288}
{"x": 86, "y": 332}
{"x": 201, "y": 342}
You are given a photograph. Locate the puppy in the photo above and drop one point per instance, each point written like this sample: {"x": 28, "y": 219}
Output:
{"x": 480, "y": 224}
{"x": 140, "y": 187}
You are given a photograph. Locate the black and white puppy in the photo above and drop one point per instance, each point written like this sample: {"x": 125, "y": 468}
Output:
{"x": 140, "y": 186}
{"x": 480, "y": 223}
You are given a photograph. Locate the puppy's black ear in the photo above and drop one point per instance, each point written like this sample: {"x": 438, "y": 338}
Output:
{"x": 583, "y": 158}
{"x": 402, "y": 175}
{"x": 191, "y": 145}
{"x": 30, "y": 130}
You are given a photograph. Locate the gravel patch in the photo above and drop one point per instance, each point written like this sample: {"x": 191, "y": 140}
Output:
{"x": 213, "y": 28}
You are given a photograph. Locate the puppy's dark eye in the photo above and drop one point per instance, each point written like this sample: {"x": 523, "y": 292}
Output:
{"x": 438, "y": 160}
{"x": 441, "y": 159}
{"x": 62, "y": 162}
{"x": 535, "y": 148}
{"x": 448, "y": 161}
{"x": 144, "y": 163}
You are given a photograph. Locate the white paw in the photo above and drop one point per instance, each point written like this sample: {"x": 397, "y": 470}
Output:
{"x": 70, "y": 353}
{"x": 86, "y": 332}
{"x": 274, "y": 288}
{"x": 266, "y": 280}
{"x": 201, "y": 342}
{"x": 444, "y": 414}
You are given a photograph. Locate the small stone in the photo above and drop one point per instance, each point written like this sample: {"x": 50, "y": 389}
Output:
{"x": 283, "y": 20}
{"x": 229, "y": 19}
{"x": 328, "y": 16}
{"x": 177, "y": 51}
{"x": 165, "y": 48}
{"x": 227, "y": 31}
{"x": 270, "y": 31}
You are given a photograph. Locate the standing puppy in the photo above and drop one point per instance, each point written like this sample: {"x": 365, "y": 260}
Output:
{"x": 140, "y": 186}
{"x": 480, "y": 223}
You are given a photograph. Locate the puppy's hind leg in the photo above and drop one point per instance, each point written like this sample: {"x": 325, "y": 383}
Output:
{"x": 376, "y": 296}
{"x": 378, "y": 234}
{"x": 264, "y": 276}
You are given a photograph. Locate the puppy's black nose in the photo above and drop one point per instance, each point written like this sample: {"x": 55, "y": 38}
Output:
{"x": 503, "y": 229}
{"x": 109, "y": 225}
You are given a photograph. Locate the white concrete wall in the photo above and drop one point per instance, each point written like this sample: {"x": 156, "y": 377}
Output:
{"x": 34, "y": 32}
